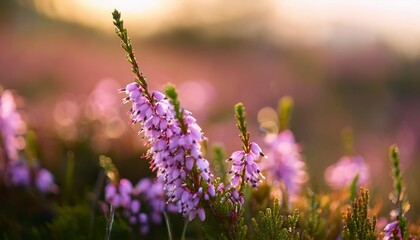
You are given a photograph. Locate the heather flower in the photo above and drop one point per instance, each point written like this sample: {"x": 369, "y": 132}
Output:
{"x": 392, "y": 231}
{"x": 284, "y": 166}
{"x": 119, "y": 195}
{"x": 174, "y": 138}
{"x": 19, "y": 174}
{"x": 142, "y": 204}
{"x": 44, "y": 181}
{"x": 11, "y": 126}
{"x": 244, "y": 166}
{"x": 342, "y": 173}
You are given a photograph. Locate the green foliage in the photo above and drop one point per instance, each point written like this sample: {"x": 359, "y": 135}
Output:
{"x": 172, "y": 94}
{"x": 224, "y": 219}
{"x": 219, "y": 162}
{"x": 272, "y": 224}
{"x": 73, "y": 222}
{"x": 240, "y": 116}
{"x": 357, "y": 225}
{"x": 128, "y": 48}
{"x": 353, "y": 187}
{"x": 312, "y": 221}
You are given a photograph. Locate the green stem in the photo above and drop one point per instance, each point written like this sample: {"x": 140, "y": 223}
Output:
{"x": 184, "y": 229}
{"x": 131, "y": 58}
{"x": 110, "y": 222}
{"x": 285, "y": 108}
{"x": 168, "y": 225}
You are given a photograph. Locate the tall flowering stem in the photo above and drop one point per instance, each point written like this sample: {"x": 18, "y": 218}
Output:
{"x": 127, "y": 46}
{"x": 173, "y": 136}
{"x": 398, "y": 196}
{"x": 240, "y": 116}
{"x": 244, "y": 162}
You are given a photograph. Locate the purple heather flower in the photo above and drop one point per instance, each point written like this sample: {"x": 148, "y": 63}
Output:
{"x": 244, "y": 166}
{"x": 44, "y": 181}
{"x": 174, "y": 149}
{"x": 284, "y": 166}
{"x": 391, "y": 230}
{"x": 119, "y": 195}
{"x": 11, "y": 126}
{"x": 20, "y": 174}
{"x": 342, "y": 173}
{"x": 131, "y": 201}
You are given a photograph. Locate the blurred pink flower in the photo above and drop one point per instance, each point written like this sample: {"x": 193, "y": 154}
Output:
{"x": 11, "y": 126}
{"x": 342, "y": 173}
{"x": 44, "y": 181}
{"x": 284, "y": 166}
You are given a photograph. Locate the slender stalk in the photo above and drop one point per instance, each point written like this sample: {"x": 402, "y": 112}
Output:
{"x": 184, "y": 229}
{"x": 121, "y": 31}
{"x": 110, "y": 222}
{"x": 98, "y": 189}
{"x": 168, "y": 225}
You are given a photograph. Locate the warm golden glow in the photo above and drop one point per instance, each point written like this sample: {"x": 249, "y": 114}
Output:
{"x": 338, "y": 23}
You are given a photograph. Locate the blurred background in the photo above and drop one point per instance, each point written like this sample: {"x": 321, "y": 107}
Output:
{"x": 345, "y": 63}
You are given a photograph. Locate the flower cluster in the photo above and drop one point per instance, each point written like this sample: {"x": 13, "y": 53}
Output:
{"x": 174, "y": 138}
{"x": 284, "y": 166}
{"x": 15, "y": 169}
{"x": 342, "y": 173}
{"x": 142, "y": 204}
{"x": 244, "y": 166}
{"x": 21, "y": 174}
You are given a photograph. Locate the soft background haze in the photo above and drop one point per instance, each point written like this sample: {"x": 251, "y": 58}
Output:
{"x": 346, "y": 64}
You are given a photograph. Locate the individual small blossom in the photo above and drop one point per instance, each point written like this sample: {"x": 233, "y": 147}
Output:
{"x": 342, "y": 173}
{"x": 392, "y": 230}
{"x": 245, "y": 167}
{"x": 284, "y": 166}
{"x": 11, "y": 127}
{"x": 19, "y": 174}
{"x": 174, "y": 148}
{"x": 44, "y": 181}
